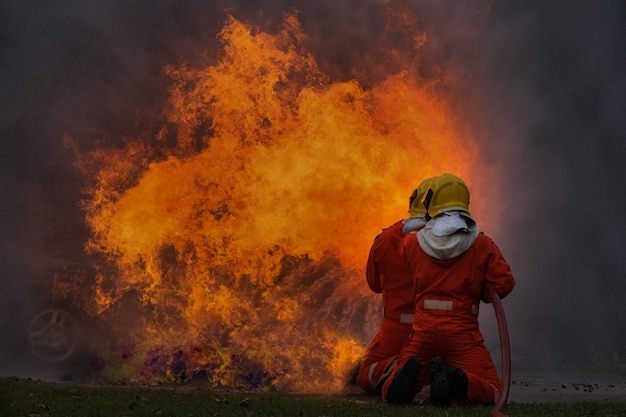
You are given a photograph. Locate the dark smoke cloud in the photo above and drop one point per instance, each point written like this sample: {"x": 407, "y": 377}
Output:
{"x": 542, "y": 84}
{"x": 553, "y": 100}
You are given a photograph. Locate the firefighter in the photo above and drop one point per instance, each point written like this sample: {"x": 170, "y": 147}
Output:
{"x": 388, "y": 274}
{"x": 450, "y": 259}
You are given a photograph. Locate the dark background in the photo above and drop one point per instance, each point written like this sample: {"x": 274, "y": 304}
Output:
{"x": 542, "y": 83}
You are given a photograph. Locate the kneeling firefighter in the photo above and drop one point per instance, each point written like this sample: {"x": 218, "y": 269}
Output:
{"x": 450, "y": 260}
{"x": 389, "y": 274}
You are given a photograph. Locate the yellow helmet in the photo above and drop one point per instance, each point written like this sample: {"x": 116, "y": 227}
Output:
{"x": 447, "y": 193}
{"x": 416, "y": 200}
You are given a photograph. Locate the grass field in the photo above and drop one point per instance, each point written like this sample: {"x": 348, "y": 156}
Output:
{"x": 31, "y": 398}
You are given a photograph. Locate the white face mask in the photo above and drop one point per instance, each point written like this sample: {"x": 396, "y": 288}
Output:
{"x": 451, "y": 222}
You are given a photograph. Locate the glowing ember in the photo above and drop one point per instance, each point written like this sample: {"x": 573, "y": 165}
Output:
{"x": 237, "y": 236}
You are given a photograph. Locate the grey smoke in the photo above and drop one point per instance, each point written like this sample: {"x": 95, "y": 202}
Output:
{"x": 556, "y": 88}
{"x": 543, "y": 84}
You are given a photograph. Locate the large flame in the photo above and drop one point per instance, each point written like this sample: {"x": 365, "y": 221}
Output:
{"x": 236, "y": 237}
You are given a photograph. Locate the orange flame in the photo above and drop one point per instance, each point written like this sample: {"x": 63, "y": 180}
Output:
{"x": 240, "y": 231}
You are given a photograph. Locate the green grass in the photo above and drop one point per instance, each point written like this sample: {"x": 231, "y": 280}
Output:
{"x": 30, "y": 398}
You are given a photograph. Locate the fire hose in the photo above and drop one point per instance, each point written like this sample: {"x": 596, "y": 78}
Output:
{"x": 505, "y": 349}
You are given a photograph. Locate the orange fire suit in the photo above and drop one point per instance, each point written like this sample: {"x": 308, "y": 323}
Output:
{"x": 387, "y": 273}
{"x": 448, "y": 293}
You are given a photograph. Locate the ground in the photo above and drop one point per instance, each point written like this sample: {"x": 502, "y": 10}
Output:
{"x": 528, "y": 392}
{"x": 532, "y": 392}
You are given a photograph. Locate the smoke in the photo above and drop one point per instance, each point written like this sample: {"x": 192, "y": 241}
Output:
{"x": 551, "y": 95}
{"x": 540, "y": 84}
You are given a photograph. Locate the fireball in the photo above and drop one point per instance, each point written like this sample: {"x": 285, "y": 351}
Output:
{"x": 236, "y": 233}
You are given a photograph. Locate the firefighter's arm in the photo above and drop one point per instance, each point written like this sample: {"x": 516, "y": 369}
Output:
{"x": 498, "y": 274}
{"x": 372, "y": 273}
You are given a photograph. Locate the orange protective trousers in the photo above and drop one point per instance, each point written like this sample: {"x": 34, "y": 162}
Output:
{"x": 387, "y": 273}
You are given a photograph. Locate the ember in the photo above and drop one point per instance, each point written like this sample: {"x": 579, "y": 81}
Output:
{"x": 235, "y": 237}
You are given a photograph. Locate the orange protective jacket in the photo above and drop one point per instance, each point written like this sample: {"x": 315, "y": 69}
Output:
{"x": 387, "y": 273}
{"x": 447, "y": 297}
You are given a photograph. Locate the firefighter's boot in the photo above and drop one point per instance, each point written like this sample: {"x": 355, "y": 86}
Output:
{"x": 447, "y": 383}
{"x": 402, "y": 387}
